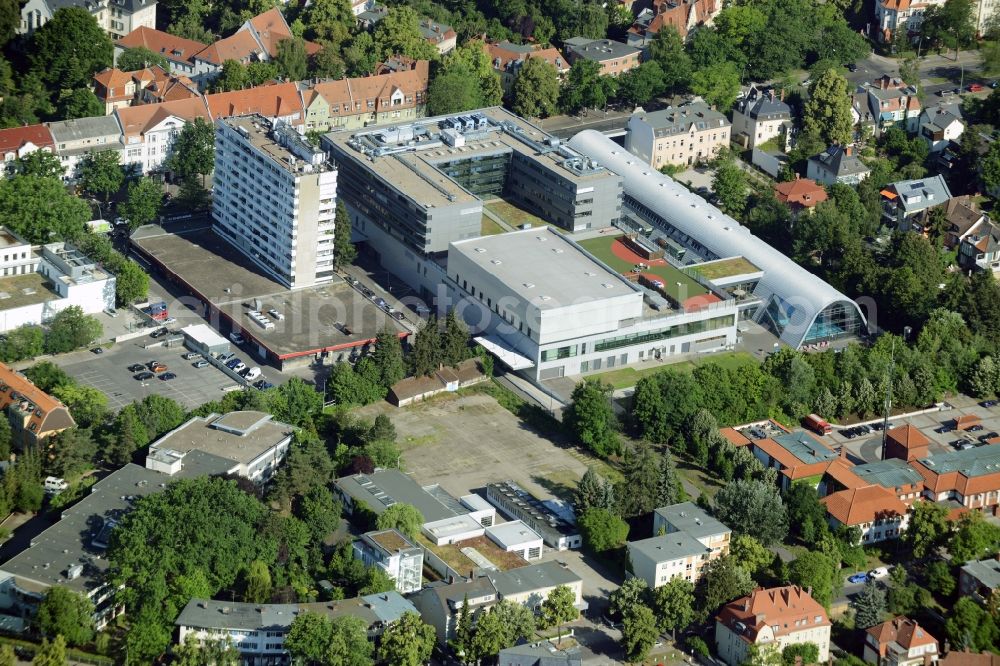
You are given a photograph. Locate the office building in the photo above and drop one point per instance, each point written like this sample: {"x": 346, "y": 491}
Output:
{"x": 413, "y": 189}
{"x": 614, "y": 57}
{"x": 274, "y": 199}
{"x": 968, "y": 478}
{"x": 390, "y": 550}
{"x": 519, "y": 504}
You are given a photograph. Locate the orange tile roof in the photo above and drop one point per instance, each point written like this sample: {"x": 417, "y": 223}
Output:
{"x": 239, "y": 46}
{"x": 271, "y": 28}
{"x": 14, "y": 138}
{"x": 908, "y": 437}
{"x": 964, "y": 658}
{"x": 112, "y": 78}
{"x": 840, "y": 470}
{"x": 784, "y": 608}
{"x": 281, "y": 99}
{"x": 896, "y": 5}
{"x": 856, "y": 506}
{"x": 791, "y": 466}
{"x": 803, "y": 192}
{"x": 163, "y": 43}
{"x": 137, "y": 120}
{"x": 903, "y": 631}
{"x": 378, "y": 88}
{"x": 735, "y": 437}
{"x": 501, "y": 58}
{"x": 48, "y": 415}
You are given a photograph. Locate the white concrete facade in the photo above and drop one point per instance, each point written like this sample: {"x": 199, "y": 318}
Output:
{"x": 148, "y": 152}
{"x": 115, "y": 17}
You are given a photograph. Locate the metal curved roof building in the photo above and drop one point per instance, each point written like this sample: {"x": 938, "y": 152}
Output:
{"x": 797, "y": 306}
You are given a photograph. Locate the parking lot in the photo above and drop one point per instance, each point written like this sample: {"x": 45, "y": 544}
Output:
{"x": 108, "y": 372}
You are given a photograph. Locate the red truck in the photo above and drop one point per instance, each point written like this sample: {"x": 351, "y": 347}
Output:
{"x": 975, "y": 87}
{"x": 817, "y": 424}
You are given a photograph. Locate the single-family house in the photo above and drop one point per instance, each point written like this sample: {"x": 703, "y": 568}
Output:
{"x": 900, "y": 642}
{"x": 980, "y": 579}
{"x": 905, "y": 203}
{"x": 801, "y": 195}
{"x": 963, "y": 219}
{"x": 761, "y": 115}
{"x": 507, "y": 59}
{"x": 892, "y": 102}
{"x": 837, "y": 164}
{"x": 980, "y": 249}
{"x": 941, "y": 125}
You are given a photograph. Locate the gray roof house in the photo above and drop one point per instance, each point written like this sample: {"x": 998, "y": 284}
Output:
{"x": 440, "y": 604}
{"x": 761, "y": 115}
{"x": 539, "y": 654}
{"x": 980, "y": 579}
{"x": 904, "y": 201}
{"x": 940, "y": 125}
{"x": 77, "y": 138}
{"x": 837, "y": 164}
{"x": 614, "y": 57}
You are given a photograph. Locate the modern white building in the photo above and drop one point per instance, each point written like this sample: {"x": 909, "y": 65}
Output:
{"x": 516, "y": 537}
{"x": 390, "y": 550}
{"x": 795, "y": 305}
{"x": 275, "y": 199}
{"x": 39, "y": 283}
{"x": 543, "y": 303}
{"x": 115, "y": 17}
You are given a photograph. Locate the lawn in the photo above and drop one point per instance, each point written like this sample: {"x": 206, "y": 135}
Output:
{"x": 490, "y": 228}
{"x": 513, "y": 215}
{"x": 725, "y": 268}
{"x": 601, "y": 248}
{"x": 626, "y": 377}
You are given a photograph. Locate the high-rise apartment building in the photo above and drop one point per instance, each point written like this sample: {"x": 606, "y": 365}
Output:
{"x": 275, "y": 198}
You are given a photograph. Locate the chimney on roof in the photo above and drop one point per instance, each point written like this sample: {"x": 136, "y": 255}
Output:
{"x": 848, "y": 150}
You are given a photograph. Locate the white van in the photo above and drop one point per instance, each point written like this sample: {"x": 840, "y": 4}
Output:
{"x": 252, "y": 374}
{"x": 236, "y": 337}
{"x": 277, "y": 315}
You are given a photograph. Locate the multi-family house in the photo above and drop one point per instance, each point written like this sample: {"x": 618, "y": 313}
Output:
{"x": 761, "y": 115}
{"x": 796, "y": 455}
{"x": 906, "y": 203}
{"x": 900, "y": 642}
{"x": 682, "y": 15}
{"x": 507, "y": 59}
{"x": 980, "y": 249}
{"x": 440, "y": 604}
{"x": 771, "y": 619}
{"x": 801, "y": 195}
{"x": 149, "y": 130}
{"x": 167, "y": 87}
{"x": 443, "y": 37}
{"x": 837, "y": 164}
{"x": 16, "y": 142}
{"x": 396, "y": 96}
{"x": 861, "y": 115}
{"x": 276, "y": 102}
{"x": 117, "y": 89}
{"x": 687, "y": 540}
{"x": 77, "y": 138}
{"x": 34, "y": 415}
{"x": 968, "y": 478}
{"x": 614, "y": 57}
{"x": 678, "y": 136}
{"x": 115, "y": 17}
{"x": 892, "y": 102}
{"x": 941, "y": 125}
{"x": 874, "y": 510}
{"x": 390, "y": 550}
{"x": 177, "y": 51}
{"x": 900, "y": 20}
{"x": 980, "y": 579}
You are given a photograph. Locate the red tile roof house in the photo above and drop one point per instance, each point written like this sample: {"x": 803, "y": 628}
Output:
{"x": 801, "y": 194}
{"x": 965, "y": 479}
{"x": 178, "y": 51}
{"x": 778, "y": 617}
{"x": 280, "y": 101}
{"x": 906, "y": 443}
{"x": 683, "y": 15}
{"x": 900, "y": 642}
{"x": 876, "y": 511}
{"x": 507, "y": 59}
{"x": 17, "y": 142}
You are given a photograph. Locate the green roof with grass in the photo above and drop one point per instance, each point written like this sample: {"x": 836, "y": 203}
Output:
{"x": 723, "y": 268}
{"x": 601, "y": 248}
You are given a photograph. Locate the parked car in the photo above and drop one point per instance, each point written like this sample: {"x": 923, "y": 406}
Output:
{"x": 231, "y": 363}
{"x": 170, "y": 320}
{"x": 225, "y": 356}
{"x": 988, "y": 403}
{"x": 190, "y": 356}
{"x": 98, "y": 350}
{"x": 200, "y": 364}
{"x": 988, "y": 436}
{"x": 160, "y": 332}
{"x": 156, "y": 366}
{"x": 994, "y": 84}
{"x": 167, "y": 376}
{"x": 957, "y": 443}
{"x": 236, "y": 338}
{"x": 143, "y": 376}
{"x": 975, "y": 428}
{"x": 852, "y": 67}
{"x": 858, "y": 578}
{"x": 879, "y": 572}
{"x": 239, "y": 367}
{"x": 136, "y": 367}
{"x": 975, "y": 87}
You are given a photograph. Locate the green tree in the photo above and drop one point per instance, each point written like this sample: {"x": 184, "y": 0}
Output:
{"x": 360, "y": 55}
{"x": 940, "y": 579}
{"x": 904, "y": 596}
{"x": 535, "y": 92}
{"x": 869, "y": 605}
{"x": 641, "y": 84}
{"x": 462, "y": 643}
{"x": 639, "y": 632}
{"x": 349, "y": 644}
{"x": 40, "y": 210}
{"x": 667, "y": 50}
{"x": 88, "y": 405}
{"x": 730, "y": 185}
{"x": 7, "y": 656}
{"x": 503, "y": 626}
{"x": 989, "y": 167}
{"x": 399, "y": 34}
{"x": 817, "y": 571}
{"x": 344, "y": 252}
{"x": 193, "y": 152}
{"x": 376, "y": 582}
{"x": 425, "y": 355}
{"x": 585, "y": 88}
{"x": 640, "y": 491}
{"x": 329, "y": 20}
{"x": 388, "y": 357}
{"x": 630, "y": 594}
{"x": 131, "y": 283}
{"x": 721, "y": 581}
{"x": 26, "y": 341}
{"x": 674, "y": 605}
{"x": 101, "y": 173}
{"x": 69, "y": 49}
{"x": 454, "y": 340}
{"x": 800, "y": 653}
{"x": 403, "y": 517}
{"x": 827, "y": 113}
{"x": 70, "y": 329}
{"x": 928, "y": 529}
{"x": 51, "y": 653}
{"x": 591, "y": 418}
{"x": 292, "y": 59}
{"x": 309, "y": 638}
{"x": 258, "y": 589}
{"x": 969, "y": 627}
{"x": 588, "y": 492}
{"x": 753, "y": 508}
{"x": 750, "y": 553}
{"x": 408, "y": 642}
{"x": 602, "y": 530}
{"x": 39, "y": 163}
{"x": 66, "y": 613}
{"x": 139, "y": 57}
{"x": 718, "y": 85}
{"x": 232, "y": 76}
{"x": 806, "y": 515}
{"x": 78, "y": 103}
{"x": 558, "y": 608}
{"x": 973, "y": 538}
{"x": 951, "y": 24}
{"x": 145, "y": 198}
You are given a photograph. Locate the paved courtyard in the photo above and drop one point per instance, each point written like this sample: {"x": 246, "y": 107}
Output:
{"x": 463, "y": 443}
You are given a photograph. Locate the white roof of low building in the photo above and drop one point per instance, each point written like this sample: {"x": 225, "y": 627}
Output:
{"x": 804, "y": 295}
{"x": 204, "y": 334}
{"x": 511, "y": 534}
